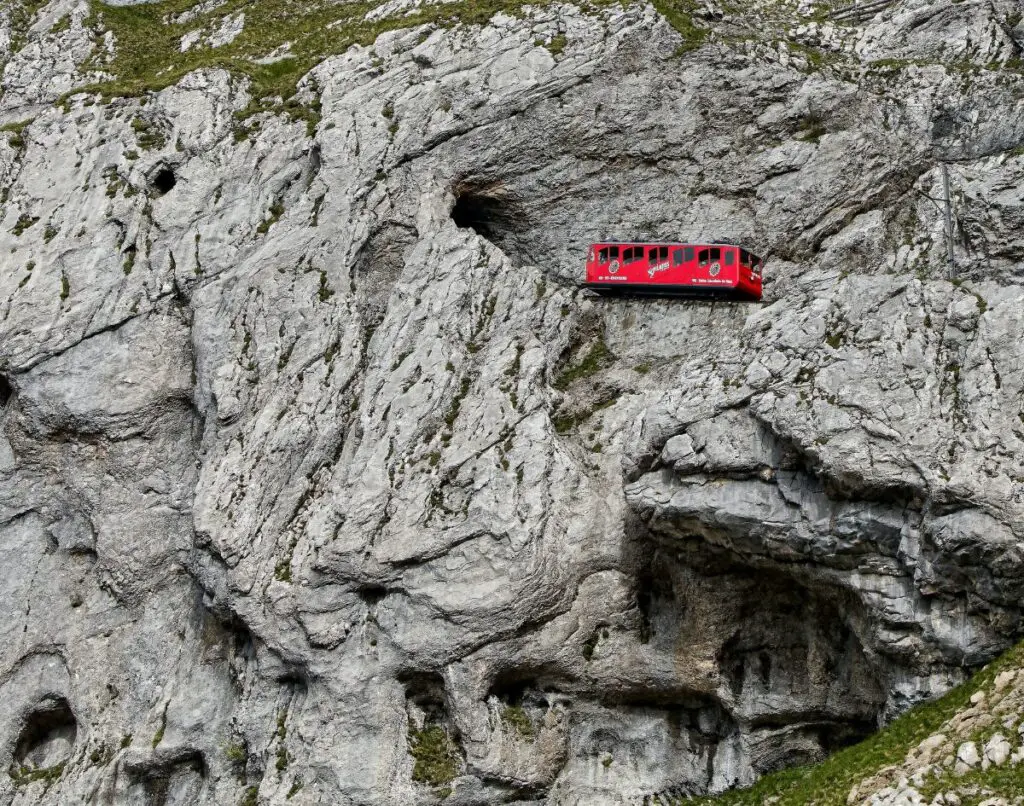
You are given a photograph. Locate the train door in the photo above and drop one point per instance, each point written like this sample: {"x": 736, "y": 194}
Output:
{"x": 730, "y": 265}
{"x": 683, "y": 258}
{"x": 708, "y": 265}
{"x": 658, "y": 264}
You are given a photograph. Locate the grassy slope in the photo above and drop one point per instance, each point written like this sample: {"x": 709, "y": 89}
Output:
{"x": 148, "y": 40}
{"x": 830, "y": 782}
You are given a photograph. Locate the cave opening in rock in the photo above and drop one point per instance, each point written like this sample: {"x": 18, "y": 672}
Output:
{"x": 163, "y": 180}
{"x": 6, "y": 390}
{"x": 493, "y": 213}
{"x": 174, "y": 778}
{"x": 771, "y": 637}
{"x": 434, "y": 738}
{"x": 47, "y": 734}
{"x": 425, "y": 698}
{"x": 372, "y": 595}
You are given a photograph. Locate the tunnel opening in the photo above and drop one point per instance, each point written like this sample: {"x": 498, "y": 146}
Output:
{"x": 6, "y": 391}
{"x": 495, "y": 214}
{"x": 163, "y": 180}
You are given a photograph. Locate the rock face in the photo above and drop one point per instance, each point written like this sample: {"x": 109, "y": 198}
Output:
{"x": 321, "y": 481}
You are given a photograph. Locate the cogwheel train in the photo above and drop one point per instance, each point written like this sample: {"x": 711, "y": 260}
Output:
{"x": 674, "y": 269}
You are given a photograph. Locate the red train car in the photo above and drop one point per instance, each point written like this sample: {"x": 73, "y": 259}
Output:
{"x": 674, "y": 269}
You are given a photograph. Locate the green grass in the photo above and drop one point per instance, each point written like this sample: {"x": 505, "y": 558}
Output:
{"x": 23, "y": 775}
{"x": 679, "y": 14}
{"x": 596, "y": 358}
{"x": 23, "y": 223}
{"x": 829, "y": 783}
{"x": 516, "y": 718}
{"x": 148, "y": 55}
{"x": 16, "y": 132}
{"x": 1007, "y": 780}
{"x": 557, "y": 44}
{"x": 21, "y": 12}
{"x": 435, "y": 755}
{"x": 148, "y": 40}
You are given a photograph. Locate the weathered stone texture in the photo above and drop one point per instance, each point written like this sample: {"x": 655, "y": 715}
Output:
{"x": 291, "y": 467}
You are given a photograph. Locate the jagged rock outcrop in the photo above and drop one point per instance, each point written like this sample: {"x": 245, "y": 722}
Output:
{"x": 322, "y": 482}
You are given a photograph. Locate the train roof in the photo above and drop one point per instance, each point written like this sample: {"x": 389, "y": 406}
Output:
{"x": 668, "y": 243}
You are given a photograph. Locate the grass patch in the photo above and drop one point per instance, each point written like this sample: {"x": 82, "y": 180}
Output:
{"x": 21, "y": 13}
{"x": 596, "y": 358}
{"x": 148, "y": 135}
{"x": 453, "y": 410}
{"x": 236, "y": 753}
{"x": 829, "y": 783}
{"x": 565, "y": 423}
{"x": 557, "y": 44}
{"x": 516, "y": 718}
{"x": 435, "y": 754}
{"x": 23, "y": 775}
{"x": 679, "y": 14}
{"x": 812, "y": 127}
{"x": 273, "y": 216}
{"x": 1007, "y": 780}
{"x": 16, "y": 133}
{"x": 148, "y": 38}
{"x": 23, "y": 223}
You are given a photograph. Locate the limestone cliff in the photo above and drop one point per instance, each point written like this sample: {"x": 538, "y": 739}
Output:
{"x": 321, "y": 481}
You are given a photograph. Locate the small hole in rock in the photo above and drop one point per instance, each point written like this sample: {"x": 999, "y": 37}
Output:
{"x": 372, "y": 594}
{"x": 164, "y": 180}
{"x": 47, "y": 735}
{"x": 6, "y": 390}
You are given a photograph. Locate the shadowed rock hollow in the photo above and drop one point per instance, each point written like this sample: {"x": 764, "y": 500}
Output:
{"x": 321, "y": 481}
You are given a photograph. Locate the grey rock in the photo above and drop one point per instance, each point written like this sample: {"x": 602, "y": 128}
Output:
{"x": 997, "y": 750}
{"x": 292, "y": 468}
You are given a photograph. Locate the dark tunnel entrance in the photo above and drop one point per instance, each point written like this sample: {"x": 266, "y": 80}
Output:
{"x": 487, "y": 208}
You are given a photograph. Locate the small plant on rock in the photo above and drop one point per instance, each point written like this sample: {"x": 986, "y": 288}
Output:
{"x": 435, "y": 754}
{"x": 516, "y": 718}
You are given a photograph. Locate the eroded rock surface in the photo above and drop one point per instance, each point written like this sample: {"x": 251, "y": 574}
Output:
{"x": 316, "y": 466}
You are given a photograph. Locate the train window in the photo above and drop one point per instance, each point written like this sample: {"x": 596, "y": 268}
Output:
{"x": 632, "y": 254}
{"x": 677, "y": 257}
{"x": 744, "y": 257}
{"x": 702, "y": 257}
{"x": 716, "y": 253}
{"x": 662, "y": 253}
{"x": 688, "y": 254}
{"x": 614, "y": 252}
{"x": 602, "y": 256}
{"x": 652, "y": 255}
{"x": 730, "y": 257}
